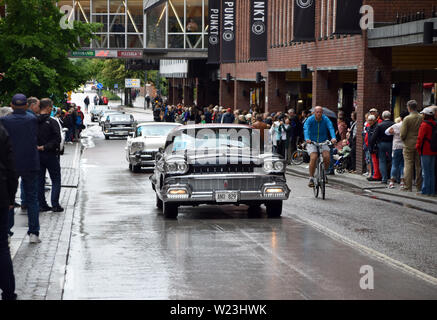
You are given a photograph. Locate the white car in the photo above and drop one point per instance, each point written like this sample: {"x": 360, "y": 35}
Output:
{"x": 105, "y": 115}
{"x": 144, "y": 143}
{"x": 63, "y": 131}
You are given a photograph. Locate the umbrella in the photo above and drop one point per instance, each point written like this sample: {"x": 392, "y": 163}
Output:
{"x": 327, "y": 112}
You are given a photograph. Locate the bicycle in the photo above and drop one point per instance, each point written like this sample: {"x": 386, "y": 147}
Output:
{"x": 297, "y": 156}
{"x": 320, "y": 175}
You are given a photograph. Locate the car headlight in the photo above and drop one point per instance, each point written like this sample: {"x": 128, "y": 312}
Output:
{"x": 279, "y": 166}
{"x": 176, "y": 167}
{"x": 270, "y": 166}
{"x": 137, "y": 146}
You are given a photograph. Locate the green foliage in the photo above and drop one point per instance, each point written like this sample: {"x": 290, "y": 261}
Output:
{"x": 34, "y": 50}
{"x": 110, "y": 95}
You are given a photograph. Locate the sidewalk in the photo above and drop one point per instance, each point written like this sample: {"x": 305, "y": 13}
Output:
{"x": 360, "y": 182}
{"x": 40, "y": 268}
{"x": 138, "y": 105}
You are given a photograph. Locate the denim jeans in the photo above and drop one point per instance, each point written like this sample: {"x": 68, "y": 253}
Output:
{"x": 50, "y": 162}
{"x": 30, "y": 186}
{"x": 22, "y": 194}
{"x": 397, "y": 166}
{"x": 7, "y": 280}
{"x": 384, "y": 156}
{"x": 428, "y": 174}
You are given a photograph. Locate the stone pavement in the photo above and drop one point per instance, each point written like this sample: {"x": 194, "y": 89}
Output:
{"x": 40, "y": 268}
{"x": 360, "y": 182}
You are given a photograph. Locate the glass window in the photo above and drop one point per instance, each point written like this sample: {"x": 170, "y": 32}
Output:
{"x": 116, "y": 41}
{"x": 117, "y": 24}
{"x": 100, "y": 6}
{"x": 155, "y": 18}
{"x": 194, "y": 41}
{"x": 82, "y": 11}
{"x": 135, "y": 41}
{"x": 103, "y": 20}
{"x": 135, "y": 16}
{"x": 194, "y": 16}
{"x": 176, "y": 16}
{"x": 154, "y": 131}
{"x": 116, "y": 6}
{"x": 101, "y": 41}
{"x": 175, "y": 41}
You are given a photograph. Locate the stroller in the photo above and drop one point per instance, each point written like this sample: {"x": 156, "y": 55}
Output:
{"x": 342, "y": 162}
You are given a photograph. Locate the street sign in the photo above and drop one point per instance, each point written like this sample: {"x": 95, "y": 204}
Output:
{"x": 99, "y": 86}
{"x": 132, "y": 83}
{"x": 83, "y": 53}
{"x": 116, "y": 86}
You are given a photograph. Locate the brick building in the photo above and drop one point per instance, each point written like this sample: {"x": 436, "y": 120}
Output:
{"x": 381, "y": 67}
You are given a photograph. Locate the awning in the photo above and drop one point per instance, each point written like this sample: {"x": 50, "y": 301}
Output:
{"x": 428, "y": 85}
{"x": 150, "y": 4}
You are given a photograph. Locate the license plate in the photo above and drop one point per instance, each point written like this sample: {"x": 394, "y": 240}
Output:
{"x": 122, "y": 133}
{"x": 231, "y": 196}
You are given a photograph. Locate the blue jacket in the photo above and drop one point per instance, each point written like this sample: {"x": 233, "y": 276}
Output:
{"x": 318, "y": 130}
{"x": 23, "y": 131}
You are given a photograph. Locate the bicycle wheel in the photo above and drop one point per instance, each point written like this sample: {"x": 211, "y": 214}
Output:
{"x": 322, "y": 180}
{"x": 297, "y": 157}
{"x": 316, "y": 184}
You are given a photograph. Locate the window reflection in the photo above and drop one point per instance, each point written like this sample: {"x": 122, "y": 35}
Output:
{"x": 155, "y": 18}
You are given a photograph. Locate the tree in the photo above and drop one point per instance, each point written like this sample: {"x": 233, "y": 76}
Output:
{"x": 34, "y": 50}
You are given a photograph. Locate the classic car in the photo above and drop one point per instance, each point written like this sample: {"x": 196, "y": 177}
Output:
{"x": 144, "y": 142}
{"x": 118, "y": 125}
{"x": 218, "y": 164}
{"x": 105, "y": 114}
{"x": 97, "y": 111}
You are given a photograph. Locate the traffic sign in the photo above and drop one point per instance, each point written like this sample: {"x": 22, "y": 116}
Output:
{"x": 99, "y": 86}
{"x": 132, "y": 83}
{"x": 116, "y": 86}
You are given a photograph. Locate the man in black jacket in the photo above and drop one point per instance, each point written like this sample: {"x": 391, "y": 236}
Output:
{"x": 8, "y": 188}
{"x": 383, "y": 144}
{"x": 49, "y": 139}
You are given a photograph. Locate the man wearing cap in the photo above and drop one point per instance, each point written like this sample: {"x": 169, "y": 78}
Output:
{"x": 375, "y": 113}
{"x": 409, "y": 132}
{"x": 228, "y": 117}
{"x": 23, "y": 131}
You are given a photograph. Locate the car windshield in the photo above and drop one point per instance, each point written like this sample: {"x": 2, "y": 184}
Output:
{"x": 212, "y": 139}
{"x": 154, "y": 130}
{"x": 120, "y": 117}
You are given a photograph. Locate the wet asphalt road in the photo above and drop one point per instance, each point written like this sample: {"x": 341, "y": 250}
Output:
{"x": 123, "y": 248}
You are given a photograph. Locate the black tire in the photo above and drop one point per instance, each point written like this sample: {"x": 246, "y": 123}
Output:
{"x": 158, "y": 203}
{"x": 254, "y": 210}
{"x": 62, "y": 151}
{"x": 106, "y": 137}
{"x": 130, "y": 167}
{"x": 274, "y": 208}
{"x": 136, "y": 169}
{"x": 322, "y": 181}
{"x": 316, "y": 189}
{"x": 170, "y": 210}
{"x": 297, "y": 157}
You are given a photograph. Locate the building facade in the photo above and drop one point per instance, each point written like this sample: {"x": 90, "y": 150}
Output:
{"x": 381, "y": 68}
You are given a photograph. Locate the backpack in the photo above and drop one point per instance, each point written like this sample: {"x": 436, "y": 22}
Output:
{"x": 78, "y": 120}
{"x": 433, "y": 140}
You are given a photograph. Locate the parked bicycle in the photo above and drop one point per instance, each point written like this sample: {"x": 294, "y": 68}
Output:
{"x": 298, "y": 156}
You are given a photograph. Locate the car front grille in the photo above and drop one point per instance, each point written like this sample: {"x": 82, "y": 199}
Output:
{"x": 254, "y": 183}
{"x": 230, "y": 168}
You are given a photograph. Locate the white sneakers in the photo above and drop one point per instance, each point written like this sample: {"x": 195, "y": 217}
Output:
{"x": 33, "y": 238}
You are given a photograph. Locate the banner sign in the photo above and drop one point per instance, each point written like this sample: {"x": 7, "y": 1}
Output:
{"x": 133, "y": 54}
{"x": 258, "y": 30}
{"x": 106, "y": 53}
{"x": 228, "y": 31}
{"x": 348, "y": 17}
{"x": 304, "y": 20}
{"x": 214, "y": 31}
{"x": 132, "y": 83}
{"x": 83, "y": 53}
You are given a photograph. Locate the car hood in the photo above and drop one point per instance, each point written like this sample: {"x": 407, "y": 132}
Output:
{"x": 151, "y": 143}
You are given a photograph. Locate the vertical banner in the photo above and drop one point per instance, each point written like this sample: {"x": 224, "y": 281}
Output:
{"x": 347, "y": 17}
{"x": 228, "y": 31}
{"x": 214, "y": 31}
{"x": 304, "y": 20}
{"x": 258, "y": 30}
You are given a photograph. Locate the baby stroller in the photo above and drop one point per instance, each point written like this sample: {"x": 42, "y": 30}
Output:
{"x": 341, "y": 163}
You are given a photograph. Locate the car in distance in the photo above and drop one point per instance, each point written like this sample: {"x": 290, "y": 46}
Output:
{"x": 218, "y": 164}
{"x": 97, "y": 111}
{"x": 144, "y": 143}
{"x": 118, "y": 125}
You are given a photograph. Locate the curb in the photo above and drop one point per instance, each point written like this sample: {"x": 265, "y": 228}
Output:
{"x": 56, "y": 282}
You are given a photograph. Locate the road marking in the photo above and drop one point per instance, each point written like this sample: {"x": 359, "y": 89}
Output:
{"x": 380, "y": 256}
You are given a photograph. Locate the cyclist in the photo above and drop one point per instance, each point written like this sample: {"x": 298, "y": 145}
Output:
{"x": 318, "y": 128}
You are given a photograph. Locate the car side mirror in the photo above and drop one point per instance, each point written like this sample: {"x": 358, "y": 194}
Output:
{"x": 131, "y": 134}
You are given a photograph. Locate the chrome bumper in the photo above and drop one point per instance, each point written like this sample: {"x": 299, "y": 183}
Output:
{"x": 143, "y": 159}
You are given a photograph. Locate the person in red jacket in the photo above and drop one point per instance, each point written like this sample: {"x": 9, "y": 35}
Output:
{"x": 427, "y": 156}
